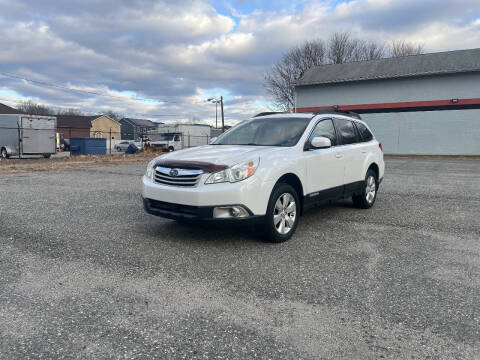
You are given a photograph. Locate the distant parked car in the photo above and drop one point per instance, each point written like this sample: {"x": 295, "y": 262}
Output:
{"x": 122, "y": 146}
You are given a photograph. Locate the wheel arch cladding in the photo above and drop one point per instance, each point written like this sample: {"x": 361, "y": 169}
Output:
{"x": 294, "y": 181}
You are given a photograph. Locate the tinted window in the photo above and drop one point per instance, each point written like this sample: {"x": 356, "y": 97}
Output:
{"x": 265, "y": 132}
{"x": 346, "y": 131}
{"x": 364, "y": 132}
{"x": 325, "y": 128}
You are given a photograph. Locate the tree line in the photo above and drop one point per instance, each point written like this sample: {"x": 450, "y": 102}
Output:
{"x": 33, "y": 108}
{"x": 341, "y": 47}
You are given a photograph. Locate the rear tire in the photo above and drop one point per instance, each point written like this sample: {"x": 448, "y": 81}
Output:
{"x": 369, "y": 191}
{"x": 171, "y": 149}
{"x": 47, "y": 156}
{"x": 4, "y": 154}
{"x": 282, "y": 215}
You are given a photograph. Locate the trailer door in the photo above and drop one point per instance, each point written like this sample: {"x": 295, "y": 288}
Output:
{"x": 38, "y": 135}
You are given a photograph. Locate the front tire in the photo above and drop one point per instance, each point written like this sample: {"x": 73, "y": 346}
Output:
{"x": 4, "y": 153}
{"x": 369, "y": 192}
{"x": 282, "y": 215}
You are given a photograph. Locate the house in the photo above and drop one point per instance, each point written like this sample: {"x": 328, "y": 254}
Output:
{"x": 74, "y": 126}
{"x": 104, "y": 126}
{"x": 133, "y": 129}
{"x": 425, "y": 104}
{"x": 4, "y": 109}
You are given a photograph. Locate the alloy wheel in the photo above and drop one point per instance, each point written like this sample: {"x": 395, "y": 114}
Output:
{"x": 284, "y": 213}
{"x": 370, "y": 189}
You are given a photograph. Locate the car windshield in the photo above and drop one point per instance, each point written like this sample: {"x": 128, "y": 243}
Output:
{"x": 281, "y": 131}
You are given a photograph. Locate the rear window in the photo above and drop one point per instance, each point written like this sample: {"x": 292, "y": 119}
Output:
{"x": 346, "y": 131}
{"x": 364, "y": 132}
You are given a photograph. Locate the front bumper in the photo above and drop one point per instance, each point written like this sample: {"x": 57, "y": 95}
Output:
{"x": 251, "y": 193}
{"x": 188, "y": 212}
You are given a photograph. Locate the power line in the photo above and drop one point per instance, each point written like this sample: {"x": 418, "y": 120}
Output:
{"x": 20, "y": 101}
{"x": 62, "y": 87}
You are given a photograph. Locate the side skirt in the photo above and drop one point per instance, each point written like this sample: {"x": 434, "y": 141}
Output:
{"x": 332, "y": 194}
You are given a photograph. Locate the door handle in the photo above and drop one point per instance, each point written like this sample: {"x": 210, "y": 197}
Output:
{"x": 364, "y": 151}
{"x": 339, "y": 156}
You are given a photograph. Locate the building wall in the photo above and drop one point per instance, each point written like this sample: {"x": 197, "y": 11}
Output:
{"x": 101, "y": 128}
{"x": 127, "y": 130}
{"x": 395, "y": 90}
{"x": 449, "y": 132}
{"x": 452, "y": 132}
{"x": 69, "y": 133}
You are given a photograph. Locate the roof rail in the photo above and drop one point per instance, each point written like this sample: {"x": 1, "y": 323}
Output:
{"x": 269, "y": 113}
{"x": 336, "y": 111}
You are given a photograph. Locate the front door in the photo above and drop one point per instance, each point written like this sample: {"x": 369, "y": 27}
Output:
{"x": 325, "y": 167}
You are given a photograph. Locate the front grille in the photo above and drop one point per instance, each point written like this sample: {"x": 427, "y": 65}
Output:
{"x": 177, "y": 177}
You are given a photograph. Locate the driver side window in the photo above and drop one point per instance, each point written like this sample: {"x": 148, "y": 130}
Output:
{"x": 325, "y": 128}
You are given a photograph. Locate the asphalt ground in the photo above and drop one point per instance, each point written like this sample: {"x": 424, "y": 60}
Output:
{"x": 85, "y": 273}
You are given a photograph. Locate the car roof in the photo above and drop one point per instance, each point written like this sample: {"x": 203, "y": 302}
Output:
{"x": 310, "y": 115}
{"x": 283, "y": 115}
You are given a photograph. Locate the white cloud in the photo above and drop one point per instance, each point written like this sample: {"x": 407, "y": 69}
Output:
{"x": 165, "y": 50}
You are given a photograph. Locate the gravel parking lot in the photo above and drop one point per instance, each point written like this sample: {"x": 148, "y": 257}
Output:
{"x": 85, "y": 273}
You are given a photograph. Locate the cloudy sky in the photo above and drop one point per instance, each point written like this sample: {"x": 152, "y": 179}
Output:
{"x": 162, "y": 59}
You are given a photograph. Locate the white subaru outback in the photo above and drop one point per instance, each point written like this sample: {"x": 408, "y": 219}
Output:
{"x": 267, "y": 170}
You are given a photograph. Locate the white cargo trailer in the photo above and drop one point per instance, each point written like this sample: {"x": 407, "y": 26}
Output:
{"x": 27, "y": 135}
{"x": 180, "y": 136}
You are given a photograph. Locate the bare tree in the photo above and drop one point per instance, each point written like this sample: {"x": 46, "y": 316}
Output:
{"x": 69, "y": 111}
{"x": 340, "y": 48}
{"x": 400, "y": 48}
{"x": 114, "y": 115}
{"x": 372, "y": 51}
{"x": 280, "y": 80}
{"x": 32, "y": 108}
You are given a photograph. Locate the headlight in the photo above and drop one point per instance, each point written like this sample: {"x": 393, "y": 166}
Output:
{"x": 149, "y": 172}
{"x": 235, "y": 173}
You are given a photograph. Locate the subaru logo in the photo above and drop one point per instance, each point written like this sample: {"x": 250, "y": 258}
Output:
{"x": 174, "y": 172}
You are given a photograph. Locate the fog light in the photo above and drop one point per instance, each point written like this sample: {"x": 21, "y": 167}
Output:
{"x": 224, "y": 212}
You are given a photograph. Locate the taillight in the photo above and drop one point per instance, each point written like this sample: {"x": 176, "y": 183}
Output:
{"x": 380, "y": 146}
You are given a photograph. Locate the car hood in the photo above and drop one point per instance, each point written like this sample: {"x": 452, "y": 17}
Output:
{"x": 220, "y": 154}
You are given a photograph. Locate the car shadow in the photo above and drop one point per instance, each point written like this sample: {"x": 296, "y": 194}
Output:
{"x": 204, "y": 232}
{"x": 219, "y": 233}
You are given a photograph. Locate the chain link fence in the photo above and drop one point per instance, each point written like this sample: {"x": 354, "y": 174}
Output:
{"x": 17, "y": 140}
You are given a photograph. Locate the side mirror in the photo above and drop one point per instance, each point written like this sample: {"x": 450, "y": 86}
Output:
{"x": 212, "y": 140}
{"x": 320, "y": 142}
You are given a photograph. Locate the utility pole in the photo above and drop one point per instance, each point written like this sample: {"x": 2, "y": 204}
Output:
{"x": 223, "y": 115}
{"x": 216, "y": 114}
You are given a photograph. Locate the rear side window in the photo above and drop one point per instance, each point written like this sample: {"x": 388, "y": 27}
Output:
{"x": 325, "y": 128}
{"x": 347, "y": 132}
{"x": 364, "y": 132}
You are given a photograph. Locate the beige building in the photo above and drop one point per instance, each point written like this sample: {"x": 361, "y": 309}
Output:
{"x": 103, "y": 126}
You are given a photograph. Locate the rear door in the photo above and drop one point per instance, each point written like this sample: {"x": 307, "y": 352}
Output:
{"x": 325, "y": 167}
{"x": 350, "y": 143}
{"x": 38, "y": 135}
{"x": 366, "y": 139}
